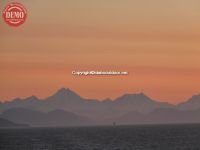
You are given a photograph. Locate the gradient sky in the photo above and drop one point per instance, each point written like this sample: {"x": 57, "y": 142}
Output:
{"x": 157, "y": 42}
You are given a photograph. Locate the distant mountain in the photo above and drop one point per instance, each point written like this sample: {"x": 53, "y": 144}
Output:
{"x": 4, "y": 123}
{"x": 191, "y": 104}
{"x": 66, "y": 103}
{"x": 64, "y": 97}
{"x": 29, "y": 102}
{"x": 23, "y": 115}
{"x": 173, "y": 116}
{"x": 53, "y": 118}
{"x": 100, "y": 111}
{"x": 138, "y": 102}
{"x": 160, "y": 116}
{"x": 64, "y": 118}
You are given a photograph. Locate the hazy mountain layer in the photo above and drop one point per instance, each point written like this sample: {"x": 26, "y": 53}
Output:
{"x": 66, "y": 107}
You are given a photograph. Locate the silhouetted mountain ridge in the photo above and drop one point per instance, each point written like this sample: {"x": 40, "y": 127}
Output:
{"x": 190, "y": 104}
{"x": 66, "y": 102}
{"x": 63, "y": 93}
{"x": 37, "y": 118}
{"x": 160, "y": 116}
{"x": 4, "y": 123}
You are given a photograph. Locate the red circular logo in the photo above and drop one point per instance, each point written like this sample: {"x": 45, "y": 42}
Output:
{"x": 14, "y": 14}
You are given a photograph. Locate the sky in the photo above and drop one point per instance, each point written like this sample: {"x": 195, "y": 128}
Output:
{"x": 157, "y": 42}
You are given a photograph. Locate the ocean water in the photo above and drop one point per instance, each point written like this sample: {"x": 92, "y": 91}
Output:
{"x": 146, "y": 137}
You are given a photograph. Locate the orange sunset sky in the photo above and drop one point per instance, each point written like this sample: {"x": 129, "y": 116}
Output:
{"x": 156, "y": 41}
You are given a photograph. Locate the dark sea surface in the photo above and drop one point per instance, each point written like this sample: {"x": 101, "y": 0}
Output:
{"x": 146, "y": 137}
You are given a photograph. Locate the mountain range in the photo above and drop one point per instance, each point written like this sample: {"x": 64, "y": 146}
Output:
{"x": 4, "y": 123}
{"x": 67, "y": 108}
